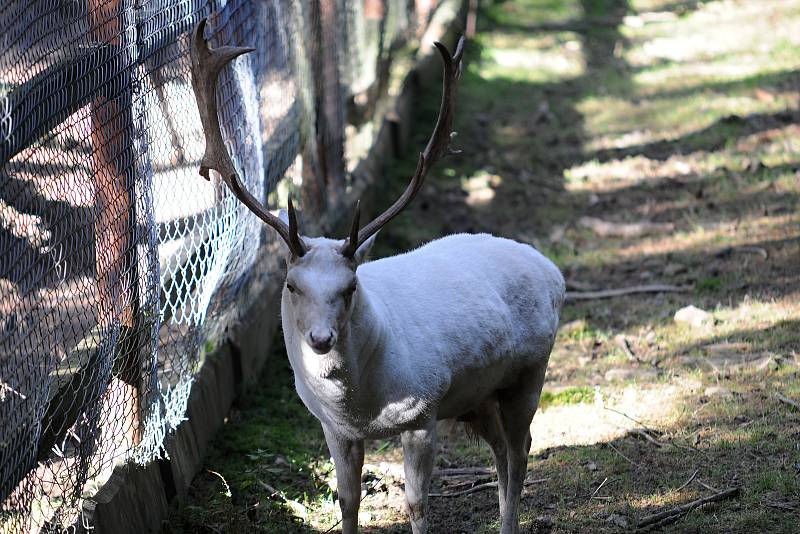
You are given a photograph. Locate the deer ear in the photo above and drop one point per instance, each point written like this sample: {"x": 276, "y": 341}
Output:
{"x": 362, "y": 253}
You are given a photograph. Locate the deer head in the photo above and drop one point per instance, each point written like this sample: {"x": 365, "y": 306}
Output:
{"x": 321, "y": 282}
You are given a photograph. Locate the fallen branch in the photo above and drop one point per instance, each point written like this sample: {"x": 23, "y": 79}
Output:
{"x": 461, "y": 471}
{"x": 674, "y": 514}
{"x": 786, "y": 400}
{"x": 646, "y": 435}
{"x": 481, "y": 487}
{"x": 618, "y": 292}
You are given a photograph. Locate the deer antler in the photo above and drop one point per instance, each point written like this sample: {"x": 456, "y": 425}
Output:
{"x": 206, "y": 66}
{"x": 438, "y": 146}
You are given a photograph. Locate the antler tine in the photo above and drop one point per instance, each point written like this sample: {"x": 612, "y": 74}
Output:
{"x": 206, "y": 66}
{"x": 438, "y": 146}
{"x": 348, "y": 249}
{"x": 294, "y": 238}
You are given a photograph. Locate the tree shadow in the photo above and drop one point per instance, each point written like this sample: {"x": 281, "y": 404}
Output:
{"x": 711, "y": 138}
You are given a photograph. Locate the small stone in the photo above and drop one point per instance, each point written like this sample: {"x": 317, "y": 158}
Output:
{"x": 693, "y": 316}
{"x": 591, "y": 466}
{"x": 619, "y": 520}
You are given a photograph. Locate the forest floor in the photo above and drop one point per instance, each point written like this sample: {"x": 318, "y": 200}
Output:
{"x": 633, "y": 142}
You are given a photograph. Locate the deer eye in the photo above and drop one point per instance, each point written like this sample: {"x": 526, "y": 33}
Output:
{"x": 291, "y": 288}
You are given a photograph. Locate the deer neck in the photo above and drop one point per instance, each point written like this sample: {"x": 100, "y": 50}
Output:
{"x": 362, "y": 344}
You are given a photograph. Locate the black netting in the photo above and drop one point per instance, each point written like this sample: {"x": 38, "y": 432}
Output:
{"x": 118, "y": 263}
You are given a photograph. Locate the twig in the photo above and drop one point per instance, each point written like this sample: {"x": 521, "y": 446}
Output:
{"x": 706, "y": 486}
{"x": 626, "y": 416}
{"x": 481, "y": 487}
{"x": 473, "y": 489}
{"x": 608, "y": 293}
{"x": 623, "y": 343}
{"x": 786, "y": 400}
{"x": 466, "y": 483}
{"x": 646, "y": 435}
{"x": 674, "y": 514}
{"x": 620, "y": 453}
{"x": 688, "y": 481}
{"x": 273, "y": 492}
{"x": 227, "y": 487}
{"x": 458, "y": 471}
{"x": 603, "y": 483}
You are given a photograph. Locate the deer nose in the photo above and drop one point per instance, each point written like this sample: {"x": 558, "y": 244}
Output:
{"x": 321, "y": 341}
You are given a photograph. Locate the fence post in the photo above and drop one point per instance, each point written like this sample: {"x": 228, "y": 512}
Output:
{"x": 114, "y": 161}
{"x": 329, "y": 97}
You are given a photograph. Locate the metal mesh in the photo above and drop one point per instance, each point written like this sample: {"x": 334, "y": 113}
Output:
{"x": 118, "y": 263}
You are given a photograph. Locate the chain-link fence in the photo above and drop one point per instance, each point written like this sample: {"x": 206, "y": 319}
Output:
{"x": 118, "y": 263}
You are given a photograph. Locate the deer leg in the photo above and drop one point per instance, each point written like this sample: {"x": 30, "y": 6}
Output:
{"x": 348, "y": 457}
{"x": 419, "y": 452}
{"x": 488, "y": 425}
{"x": 517, "y": 407}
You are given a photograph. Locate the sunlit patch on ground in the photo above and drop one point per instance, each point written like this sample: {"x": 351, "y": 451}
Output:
{"x": 539, "y": 59}
{"x": 602, "y": 420}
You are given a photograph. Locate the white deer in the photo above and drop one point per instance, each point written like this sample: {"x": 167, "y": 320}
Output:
{"x": 460, "y": 328}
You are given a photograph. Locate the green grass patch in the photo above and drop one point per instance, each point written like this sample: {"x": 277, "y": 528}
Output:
{"x": 572, "y": 395}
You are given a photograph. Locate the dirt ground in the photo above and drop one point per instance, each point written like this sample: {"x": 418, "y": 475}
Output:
{"x": 635, "y": 143}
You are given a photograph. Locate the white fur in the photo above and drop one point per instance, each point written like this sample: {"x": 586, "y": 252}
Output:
{"x": 460, "y": 328}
